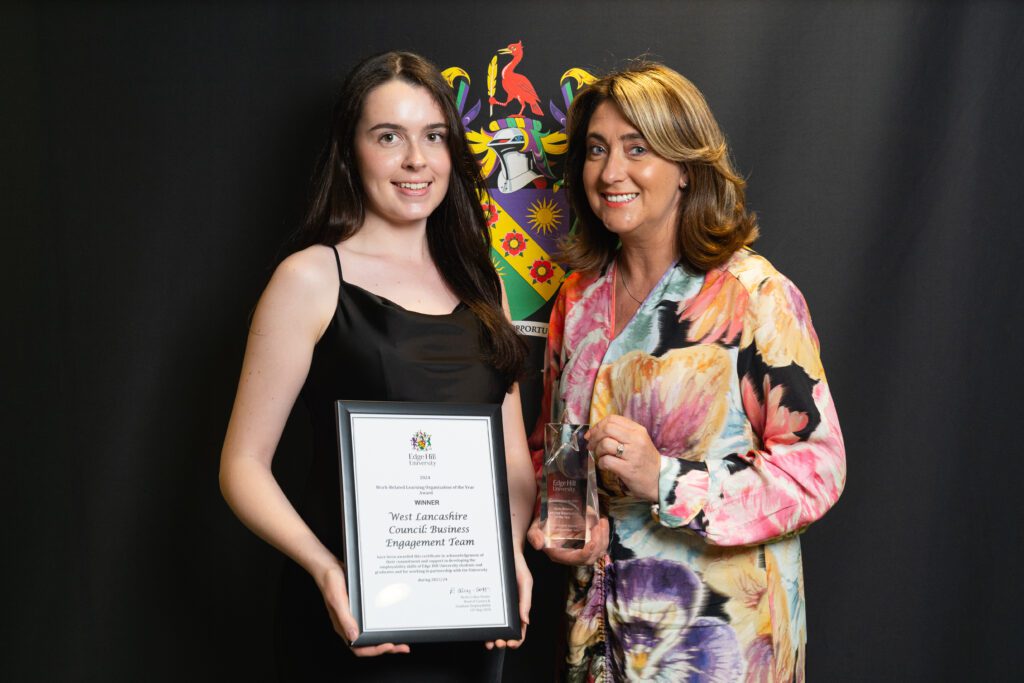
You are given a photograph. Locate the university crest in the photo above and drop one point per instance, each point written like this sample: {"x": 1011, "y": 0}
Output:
{"x": 520, "y": 150}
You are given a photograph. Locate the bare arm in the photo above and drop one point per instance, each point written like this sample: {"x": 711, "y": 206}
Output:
{"x": 522, "y": 486}
{"x": 288, "y": 320}
{"x": 292, "y": 314}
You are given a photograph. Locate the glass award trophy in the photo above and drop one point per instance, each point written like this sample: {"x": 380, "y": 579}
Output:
{"x": 569, "y": 497}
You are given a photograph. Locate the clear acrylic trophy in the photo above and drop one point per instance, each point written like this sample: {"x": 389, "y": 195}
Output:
{"x": 569, "y": 499}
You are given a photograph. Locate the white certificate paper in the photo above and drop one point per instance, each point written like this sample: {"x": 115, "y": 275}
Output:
{"x": 430, "y": 529}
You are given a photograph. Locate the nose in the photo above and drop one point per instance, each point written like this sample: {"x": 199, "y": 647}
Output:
{"x": 614, "y": 168}
{"x": 414, "y": 158}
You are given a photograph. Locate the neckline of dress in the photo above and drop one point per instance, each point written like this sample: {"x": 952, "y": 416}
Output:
{"x": 391, "y": 304}
{"x": 613, "y": 276}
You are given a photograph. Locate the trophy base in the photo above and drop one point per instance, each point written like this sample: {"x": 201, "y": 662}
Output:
{"x": 566, "y": 526}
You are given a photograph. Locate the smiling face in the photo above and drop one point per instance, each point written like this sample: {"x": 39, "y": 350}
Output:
{"x": 632, "y": 190}
{"x": 402, "y": 154}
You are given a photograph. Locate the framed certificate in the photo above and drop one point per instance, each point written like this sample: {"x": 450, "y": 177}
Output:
{"x": 427, "y": 538}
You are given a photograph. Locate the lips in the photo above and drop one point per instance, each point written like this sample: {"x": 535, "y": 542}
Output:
{"x": 413, "y": 189}
{"x": 620, "y": 199}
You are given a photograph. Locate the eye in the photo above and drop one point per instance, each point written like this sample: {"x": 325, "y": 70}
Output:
{"x": 388, "y": 138}
{"x": 436, "y": 136}
{"x": 595, "y": 150}
{"x": 637, "y": 150}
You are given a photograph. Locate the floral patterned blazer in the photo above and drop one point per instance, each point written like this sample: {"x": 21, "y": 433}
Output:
{"x": 723, "y": 371}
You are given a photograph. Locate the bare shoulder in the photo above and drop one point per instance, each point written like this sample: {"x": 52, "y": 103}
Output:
{"x": 313, "y": 267}
{"x": 303, "y": 290}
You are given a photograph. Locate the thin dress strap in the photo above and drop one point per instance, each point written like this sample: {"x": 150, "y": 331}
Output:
{"x": 337, "y": 260}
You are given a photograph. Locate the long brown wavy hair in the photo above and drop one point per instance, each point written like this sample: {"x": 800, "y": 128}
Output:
{"x": 457, "y": 235}
{"x": 673, "y": 116}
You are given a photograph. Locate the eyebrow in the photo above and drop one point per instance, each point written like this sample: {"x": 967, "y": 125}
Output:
{"x": 627, "y": 136}
{"x": 395, "y": 126}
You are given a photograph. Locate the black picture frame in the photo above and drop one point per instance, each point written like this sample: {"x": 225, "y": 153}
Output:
{"x": 357, "y": 562}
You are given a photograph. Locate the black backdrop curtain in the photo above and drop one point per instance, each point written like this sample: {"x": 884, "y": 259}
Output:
{"x": 156, "y": 155}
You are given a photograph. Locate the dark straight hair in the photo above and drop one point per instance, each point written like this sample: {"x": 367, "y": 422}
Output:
{"x": 457, "y": 235}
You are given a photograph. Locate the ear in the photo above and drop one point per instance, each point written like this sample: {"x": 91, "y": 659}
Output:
{"x": 684, "y": 177}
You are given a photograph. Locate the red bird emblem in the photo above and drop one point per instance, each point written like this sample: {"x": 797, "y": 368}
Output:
{"x": 517, "y": 86}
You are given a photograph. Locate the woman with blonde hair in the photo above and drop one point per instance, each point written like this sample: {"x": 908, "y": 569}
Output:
{"x": 696, "y": 365}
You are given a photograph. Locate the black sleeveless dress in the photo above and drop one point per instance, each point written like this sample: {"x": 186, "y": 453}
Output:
{"x": 375, "y": 350}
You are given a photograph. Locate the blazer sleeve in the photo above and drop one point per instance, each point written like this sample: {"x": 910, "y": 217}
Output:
{"x": 797, "y": 469}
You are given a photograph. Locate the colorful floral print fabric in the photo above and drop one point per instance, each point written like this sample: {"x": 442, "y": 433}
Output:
{"x": 723, "y": 371}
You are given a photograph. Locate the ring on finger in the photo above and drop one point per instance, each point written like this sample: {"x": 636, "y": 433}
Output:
{"x": 619, "y": 450}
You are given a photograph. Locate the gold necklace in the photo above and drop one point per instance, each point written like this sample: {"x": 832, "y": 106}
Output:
{"x": 626, "y": 286}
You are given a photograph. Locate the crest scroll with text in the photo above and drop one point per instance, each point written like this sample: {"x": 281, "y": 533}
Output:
{"x": 520, "y": 149}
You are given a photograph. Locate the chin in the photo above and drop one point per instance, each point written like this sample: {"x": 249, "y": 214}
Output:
{"x": 618, "y": 227}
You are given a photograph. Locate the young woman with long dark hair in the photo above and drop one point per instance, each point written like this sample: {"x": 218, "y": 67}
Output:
{"x": 390, "y": 295}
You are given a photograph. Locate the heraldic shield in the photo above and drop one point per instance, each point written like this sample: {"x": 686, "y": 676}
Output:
{"x": 520, "y": 150}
